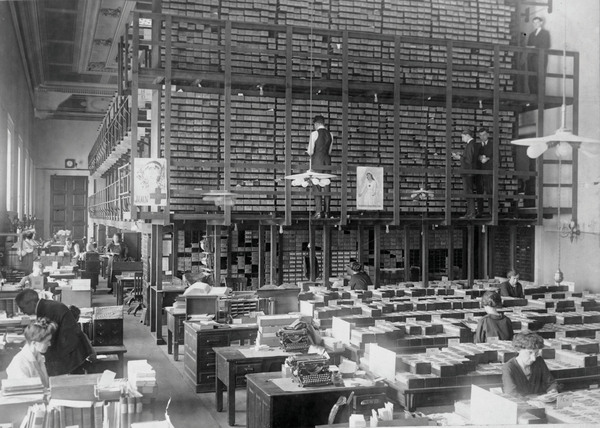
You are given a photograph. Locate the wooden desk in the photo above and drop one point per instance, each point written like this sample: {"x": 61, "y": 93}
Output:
{"x": 7, "y": 299}
{"x": 199, "y": 358}
{"x": 232, "y": 368}
{"x": 124, "y": 282}
{"x": 269, "y": 406}
{"x": 119, "y": 351}
{"x": 175, "y": 320}
{"x": 155, "y": 307}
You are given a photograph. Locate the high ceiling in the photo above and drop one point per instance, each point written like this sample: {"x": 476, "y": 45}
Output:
{"x": 70, "y": 50}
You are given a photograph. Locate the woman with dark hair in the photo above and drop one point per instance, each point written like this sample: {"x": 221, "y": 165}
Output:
{"x": 30, "y": 361}
{"x": 359, "y": 279}
{"x": 527, "y": 373}
{"x": 493, "y": 324}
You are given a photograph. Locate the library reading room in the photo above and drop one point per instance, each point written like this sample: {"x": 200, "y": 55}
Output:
{"x": 299, "y": 213}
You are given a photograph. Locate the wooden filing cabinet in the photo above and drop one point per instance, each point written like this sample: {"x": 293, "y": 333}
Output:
{"x": 199, "y": 357}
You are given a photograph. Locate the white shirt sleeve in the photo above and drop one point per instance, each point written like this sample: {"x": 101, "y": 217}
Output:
{"x": 311, "y": 142}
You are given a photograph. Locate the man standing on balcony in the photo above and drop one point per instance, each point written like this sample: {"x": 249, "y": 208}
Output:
{"x": 468, "y": 161}
{"x": 319, "y": 150}
{"x": 539, "y": 38}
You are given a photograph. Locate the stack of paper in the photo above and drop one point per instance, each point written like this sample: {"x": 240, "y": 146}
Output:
{"x": 20, "y": 386}
{"x": 141, "y": 376}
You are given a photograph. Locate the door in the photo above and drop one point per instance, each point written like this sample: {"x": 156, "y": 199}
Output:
{"x": 68, "y": 205}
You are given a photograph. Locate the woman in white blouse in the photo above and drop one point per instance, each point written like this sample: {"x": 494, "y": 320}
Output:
{"x": 30, "y": 361}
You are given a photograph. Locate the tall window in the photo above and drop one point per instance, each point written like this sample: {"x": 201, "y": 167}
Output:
{"x": 20, "y": 178}
{"x": 26, "y": 182}
{"x": 9, "y": 168}
{"x": 31, "y": 186}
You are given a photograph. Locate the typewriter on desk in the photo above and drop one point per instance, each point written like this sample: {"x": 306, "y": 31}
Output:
{"x": 310, "y": 369}
{"x": 293, "y": 339}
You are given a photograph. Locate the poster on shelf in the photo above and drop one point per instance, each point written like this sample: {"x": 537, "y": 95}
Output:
{"x": 369, "y": 188}
{"x": 150, "y": 182}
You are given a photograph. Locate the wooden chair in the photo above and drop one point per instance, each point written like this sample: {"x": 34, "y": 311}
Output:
{"x": 135, "y": 298}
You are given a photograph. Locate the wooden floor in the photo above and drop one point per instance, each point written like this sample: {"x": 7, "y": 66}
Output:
{"x": 187, "y": 408}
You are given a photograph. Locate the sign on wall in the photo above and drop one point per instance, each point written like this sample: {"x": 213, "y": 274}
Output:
{"x": 150, "y": 182}
{"x": 369, "y": 188}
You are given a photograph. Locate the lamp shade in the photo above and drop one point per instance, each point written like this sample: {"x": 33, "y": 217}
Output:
{"x": 558, "y": 139}
{"x": 310, "y": 178}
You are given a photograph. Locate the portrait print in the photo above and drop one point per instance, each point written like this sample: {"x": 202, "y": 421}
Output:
{"x": 369, "y": 188}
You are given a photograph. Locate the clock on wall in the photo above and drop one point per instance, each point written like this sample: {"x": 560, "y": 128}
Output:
{"x": 70, "y": 163}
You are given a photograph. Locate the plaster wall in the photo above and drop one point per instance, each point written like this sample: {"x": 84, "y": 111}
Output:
{"x": 15, "y": 101}
{"x": 580, "y": 259}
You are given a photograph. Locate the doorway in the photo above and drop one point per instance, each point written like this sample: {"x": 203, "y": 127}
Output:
{"x": 68, "y": 205}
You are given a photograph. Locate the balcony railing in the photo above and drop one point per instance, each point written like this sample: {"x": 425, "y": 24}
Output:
{"x": 113, "y": 137}
{"x": 114, "y": 201}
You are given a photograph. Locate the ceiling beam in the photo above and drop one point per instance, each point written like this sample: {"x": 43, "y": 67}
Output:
{"x": 85, "y": 29}
{"x": 25, "y": 20}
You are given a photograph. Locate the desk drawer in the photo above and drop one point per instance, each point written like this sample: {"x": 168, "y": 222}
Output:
{"x": 206, "y": 354}
{"x": 207, "y": 365}
{"x": 213, "y": 340}
{"x": 244, "y": 369}
{"x": 207, "y": 378}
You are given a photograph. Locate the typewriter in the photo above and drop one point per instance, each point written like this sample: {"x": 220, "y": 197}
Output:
{"x": 293, "y": 340}
{"x": 310, "y": 369}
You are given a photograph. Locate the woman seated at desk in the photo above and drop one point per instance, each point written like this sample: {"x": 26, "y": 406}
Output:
{"x": 30, "y": 361}
{"x": 36, "y": 276}
{"x": 527, "y": 373}
{"x": 359, "y": 279}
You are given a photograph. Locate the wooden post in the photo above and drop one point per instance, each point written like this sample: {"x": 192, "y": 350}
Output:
{"x": 359, "y": 244}
{"x": 326, "y": 251}
{"x": 261, "y": 255}
{"x": 397, "y": 119}
{"x": 311, "y": 251}
{"x": 449, "y": 123}
{"x": 217, "y": 254}
{"x": 156, "y": 261}
{"x": 377, "y": 255}
{"x": 484, "y": 246}
{"x": 575, "y": 166}
{"x": 227, "y": 125}
{"x": 273, "y": 237}
{"x": 496, "y": 137}
{"x": 425, "y": 253}
{"x": 450, "y": 271}
{"x": 406, "y": 253}
{"x": 471, "y": 254}
{"x": 289, "y": 49}
{"x": 345, "y": 126}
{"x": 167, "y": 110}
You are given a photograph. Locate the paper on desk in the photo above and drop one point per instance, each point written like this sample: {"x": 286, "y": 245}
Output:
{"x": 106, "y": 379}
{"x": 80, "y": 404}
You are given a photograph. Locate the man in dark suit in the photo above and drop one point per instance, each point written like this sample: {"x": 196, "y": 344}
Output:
{"x": 68, "y": 350}
{"x": 512, "y": 287}
{"x": 468, "y": 160}
{"x": 540, "y": 39}
{"x": 319, "y": 150}
{"x": 485, "y": 158}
